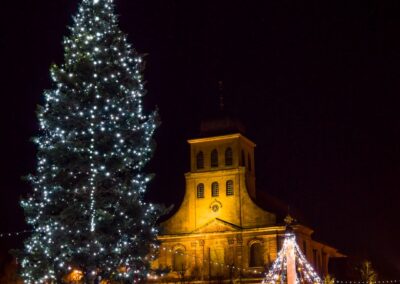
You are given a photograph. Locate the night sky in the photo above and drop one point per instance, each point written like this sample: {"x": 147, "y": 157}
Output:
{"x": 315, "y": 82}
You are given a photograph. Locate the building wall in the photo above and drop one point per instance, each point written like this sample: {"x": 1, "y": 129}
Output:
{"x": 217, "y": 255}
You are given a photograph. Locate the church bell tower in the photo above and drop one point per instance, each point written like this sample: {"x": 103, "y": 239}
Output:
{"x": 220, "y": 187}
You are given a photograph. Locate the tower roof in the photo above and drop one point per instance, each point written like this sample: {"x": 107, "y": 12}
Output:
{"x": 220, "y": 125}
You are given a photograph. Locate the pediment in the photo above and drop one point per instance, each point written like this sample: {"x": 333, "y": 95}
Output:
{"x": 217, "y": 226}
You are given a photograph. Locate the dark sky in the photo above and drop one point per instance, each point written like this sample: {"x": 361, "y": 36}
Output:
{"x": 315, "y": 82}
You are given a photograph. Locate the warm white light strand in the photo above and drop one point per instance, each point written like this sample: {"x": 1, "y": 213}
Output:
{"x": 235, "y": 267}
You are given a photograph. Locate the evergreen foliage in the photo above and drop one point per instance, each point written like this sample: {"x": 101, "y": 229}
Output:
{"x": 87, "y": 209}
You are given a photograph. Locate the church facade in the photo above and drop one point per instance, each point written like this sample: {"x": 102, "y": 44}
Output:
{"x": 219, "y": 233}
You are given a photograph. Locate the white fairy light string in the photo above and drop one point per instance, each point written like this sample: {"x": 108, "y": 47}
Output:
{"x": 14, "y": 234}
{"x": 367, "y": 282}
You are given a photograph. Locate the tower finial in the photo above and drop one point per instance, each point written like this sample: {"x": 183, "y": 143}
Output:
{"x": 221, "y": 95}
{"x": 289, "y": 220}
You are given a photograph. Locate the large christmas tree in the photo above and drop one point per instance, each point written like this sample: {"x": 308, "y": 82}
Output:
{"x": 87, "y": 209}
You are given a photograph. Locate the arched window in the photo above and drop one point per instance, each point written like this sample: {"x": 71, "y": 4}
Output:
{"x": 214, "y": 158}
{"x": 256, "y": 255}
{"x": 229, "y": 187}
{"x": 179, "y": 260}
{"x": 242, "y": 160}
{"x": 200, "y": 190}
{"x": 228, "y": 157}
{"x": 200, "y": 160}
{"x": 249, "y": 162}
{"x": 214, "y": 189}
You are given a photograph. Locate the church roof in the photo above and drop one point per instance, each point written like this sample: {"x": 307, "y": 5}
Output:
{"x": 279, "y": 207}
{"x": 217, "y": 225}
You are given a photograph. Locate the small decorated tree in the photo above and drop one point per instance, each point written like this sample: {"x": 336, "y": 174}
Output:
{"x": 291, "y": 266}
{"x": 367, "y": 272}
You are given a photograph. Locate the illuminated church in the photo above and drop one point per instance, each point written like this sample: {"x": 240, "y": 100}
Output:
{"x": 220, "y": 232}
